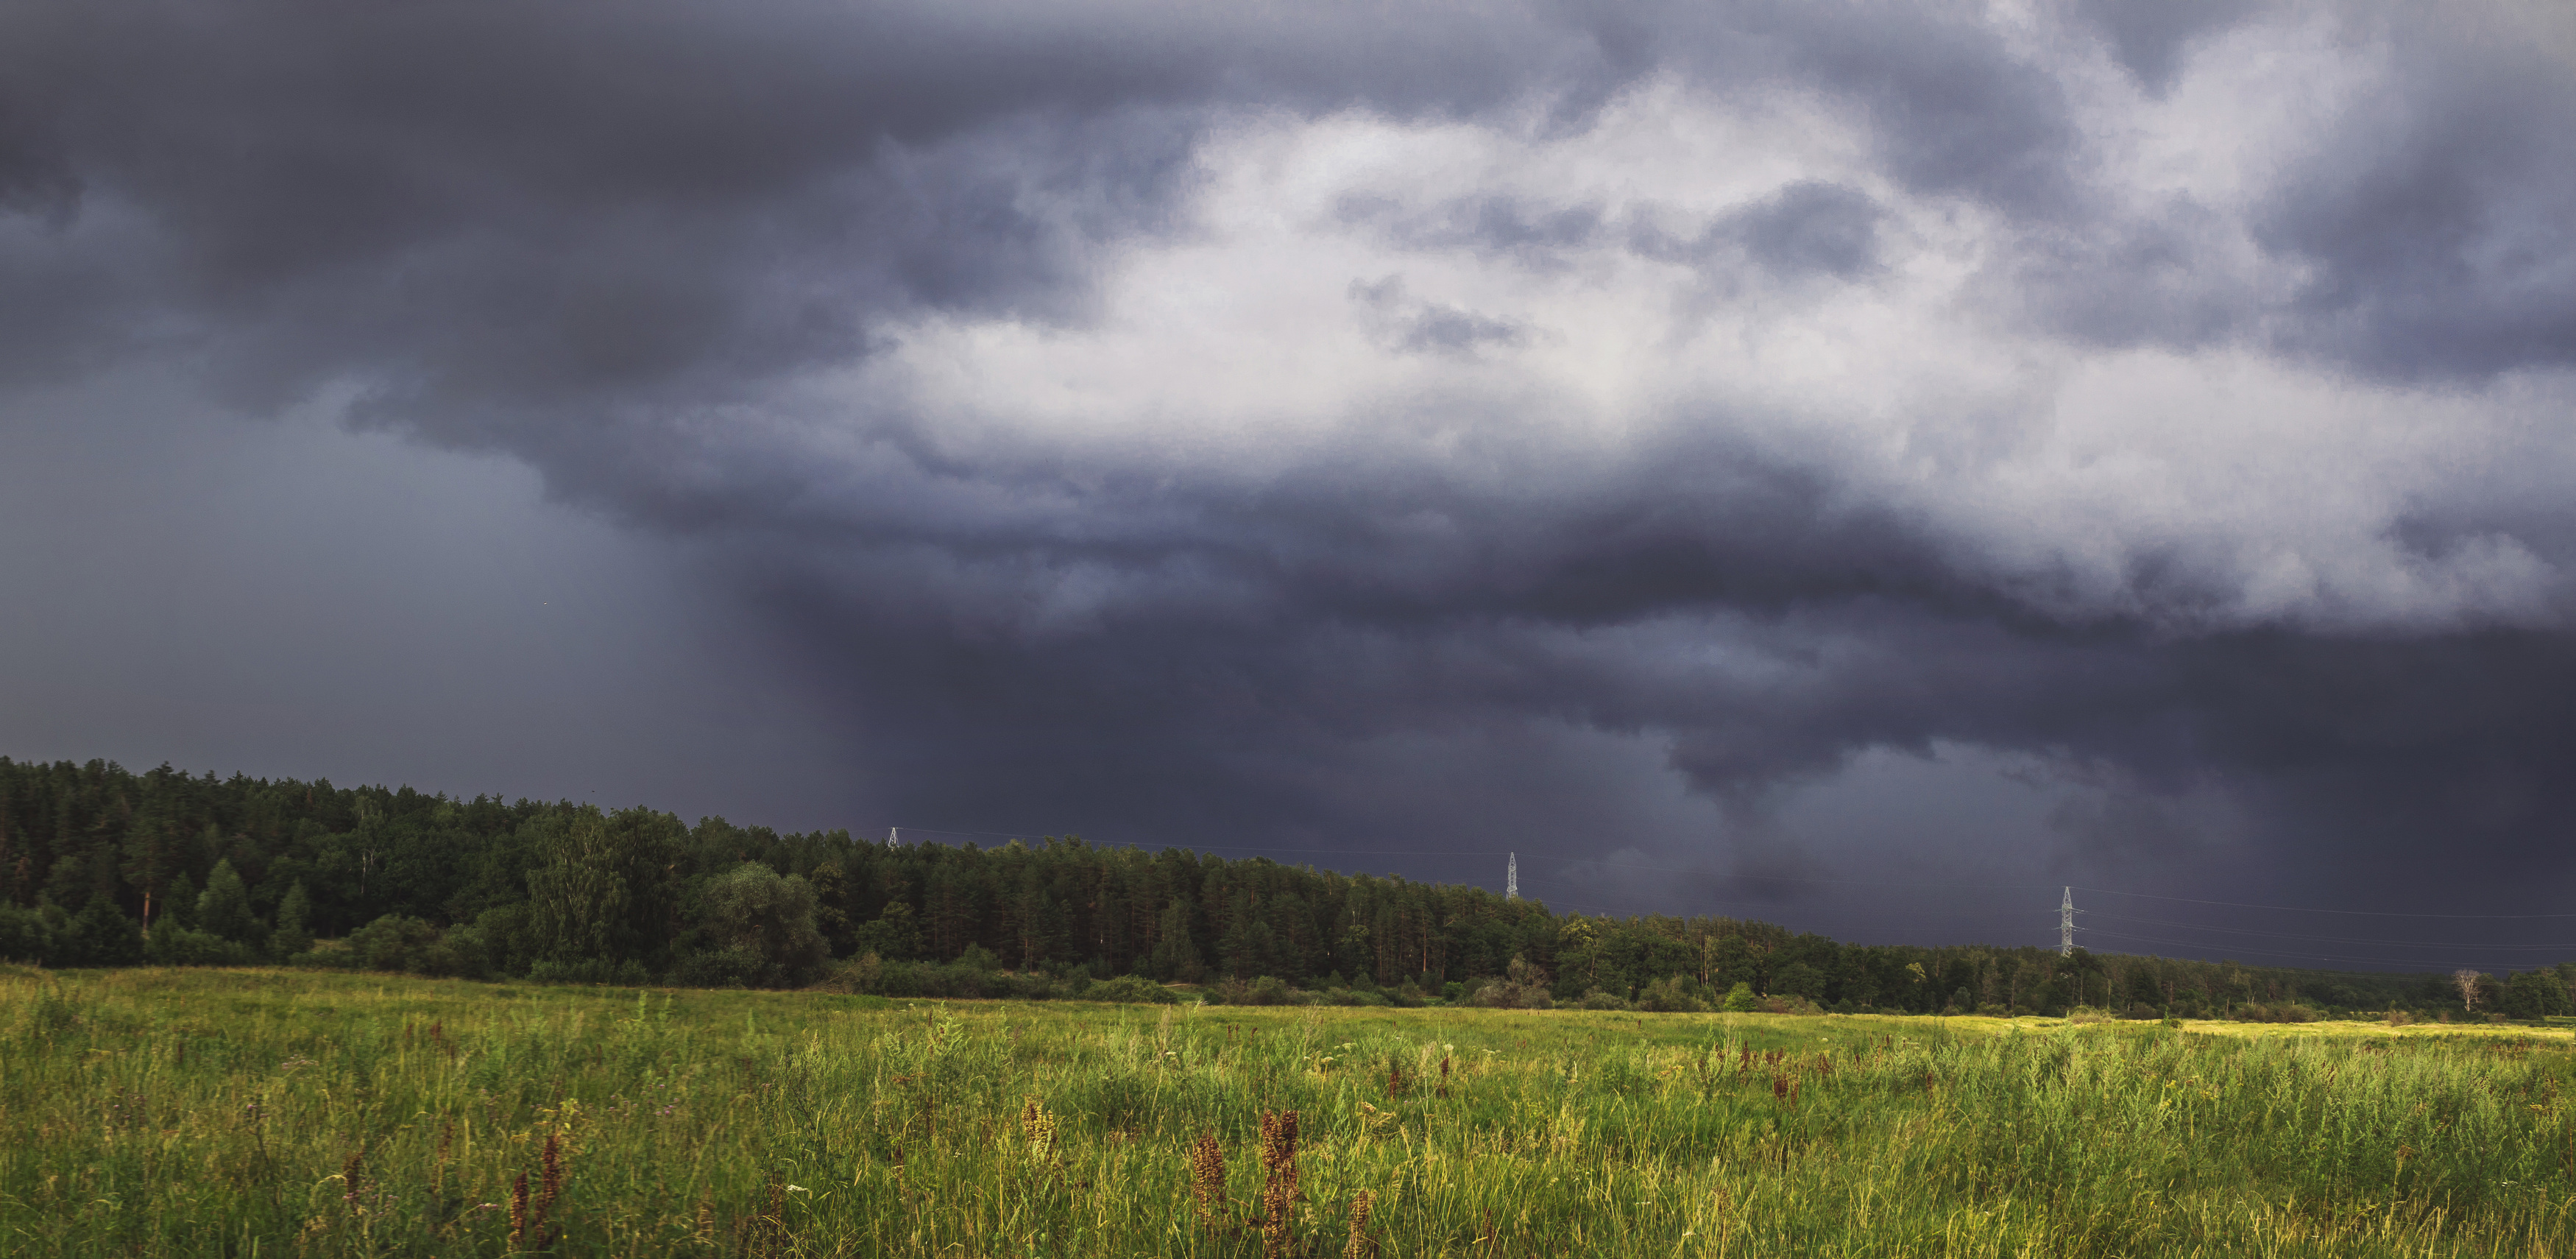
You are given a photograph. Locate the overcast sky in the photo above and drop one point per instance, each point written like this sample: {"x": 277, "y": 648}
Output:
{"x": 1863, "y": 466}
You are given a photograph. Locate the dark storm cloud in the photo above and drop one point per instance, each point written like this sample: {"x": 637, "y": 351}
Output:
{"x": 626, "y": 252}
{"x": 2434, "y": 217}
{"x": 2150, "y": 37}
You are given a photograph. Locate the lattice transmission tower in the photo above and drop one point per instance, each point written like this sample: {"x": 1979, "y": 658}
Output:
{"x": 2066, "y": 924}
{"x": 1512, "y": 877}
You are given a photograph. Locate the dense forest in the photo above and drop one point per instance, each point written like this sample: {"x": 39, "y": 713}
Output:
{"x": 100, "y": 866}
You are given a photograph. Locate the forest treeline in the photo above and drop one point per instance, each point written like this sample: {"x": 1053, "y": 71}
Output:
{"x": 100, "y": 866}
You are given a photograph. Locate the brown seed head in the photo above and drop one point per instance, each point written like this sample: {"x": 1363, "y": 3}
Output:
{"x": 1279, "y": 1140}
{"x": 1362, "y": 1246}
{"x": 1279, "y": 1179}
{"x": 1037, "y": 1123}
{"x": 550, "y": 1168}
{"x": 1207, "y": 1173}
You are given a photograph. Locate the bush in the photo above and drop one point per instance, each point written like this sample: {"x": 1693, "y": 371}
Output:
{"x": 964, "y": 979}
{"x": 171, "y": 944}
{"x": 2278, "y": 1012}
{"x": 1740, "y": 999}
{"x": 2141, "y": 1011}
{"x": 720, "y": 968}
{"x": 1522, "y": 987}
{"x": 24, "y": 937}
{"x": 1130, "y": 989}
{"x": 592, "y": 970}
{"x": 388, "y": 942}
{"x": 1671, "y": 995}
{"x": 1599, "y": 1000}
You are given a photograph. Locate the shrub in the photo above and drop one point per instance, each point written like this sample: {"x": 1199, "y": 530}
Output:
{"x": 391, "y": 942}
{"x": 1671, "y": 995}
{"x": 1740, "y": 999}
{"x": 1262, "y": 991}
{"x": 1522, "y": 987}
{"x": 1599, "y": 1000}
{"x": 2278, "y": 1012}
{"x": 592, "y": 970}
{"x": 24, "y": 937}
{"x": 721, "y": 968}
{"x": 1129, "y": 989}
{"x": 171, "y": 944}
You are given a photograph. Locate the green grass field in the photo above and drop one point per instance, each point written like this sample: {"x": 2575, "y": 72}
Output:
{"x": 298, "y": 1113}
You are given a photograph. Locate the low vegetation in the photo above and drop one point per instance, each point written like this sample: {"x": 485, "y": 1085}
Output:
{"x": 163, "y": 1112}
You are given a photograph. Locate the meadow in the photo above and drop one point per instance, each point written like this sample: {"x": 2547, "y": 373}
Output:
{"x": 259, "y": 1112}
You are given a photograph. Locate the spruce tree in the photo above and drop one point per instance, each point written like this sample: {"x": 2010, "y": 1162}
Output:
{"x": 224, "y": 908}
{"x": 103, "y": 936}
{"x": 290, "y": 937}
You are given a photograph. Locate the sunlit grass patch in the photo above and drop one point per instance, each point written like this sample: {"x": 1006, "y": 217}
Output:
{"x": 194, "y": 1112}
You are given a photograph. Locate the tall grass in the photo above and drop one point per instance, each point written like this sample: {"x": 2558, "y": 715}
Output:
{"x": 273, "y": 1113}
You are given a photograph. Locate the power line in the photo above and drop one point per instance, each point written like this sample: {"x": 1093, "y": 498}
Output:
{"x": 2293, "y": 935}
{"x": 1910, "y": 884}
{"x": 1338, "y": 852}
{"x": 2295, "y": 909}
{"x": 2322, "y": 957}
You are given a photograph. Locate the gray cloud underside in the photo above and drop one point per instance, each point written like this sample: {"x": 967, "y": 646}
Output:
{"x": 624, "y": 251}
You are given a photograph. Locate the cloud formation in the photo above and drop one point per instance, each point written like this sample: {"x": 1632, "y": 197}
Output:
{"x": 1321, "y": 426}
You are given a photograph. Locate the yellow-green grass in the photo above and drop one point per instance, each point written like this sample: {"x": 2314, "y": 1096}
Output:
{"x": 238, "y": 1112}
